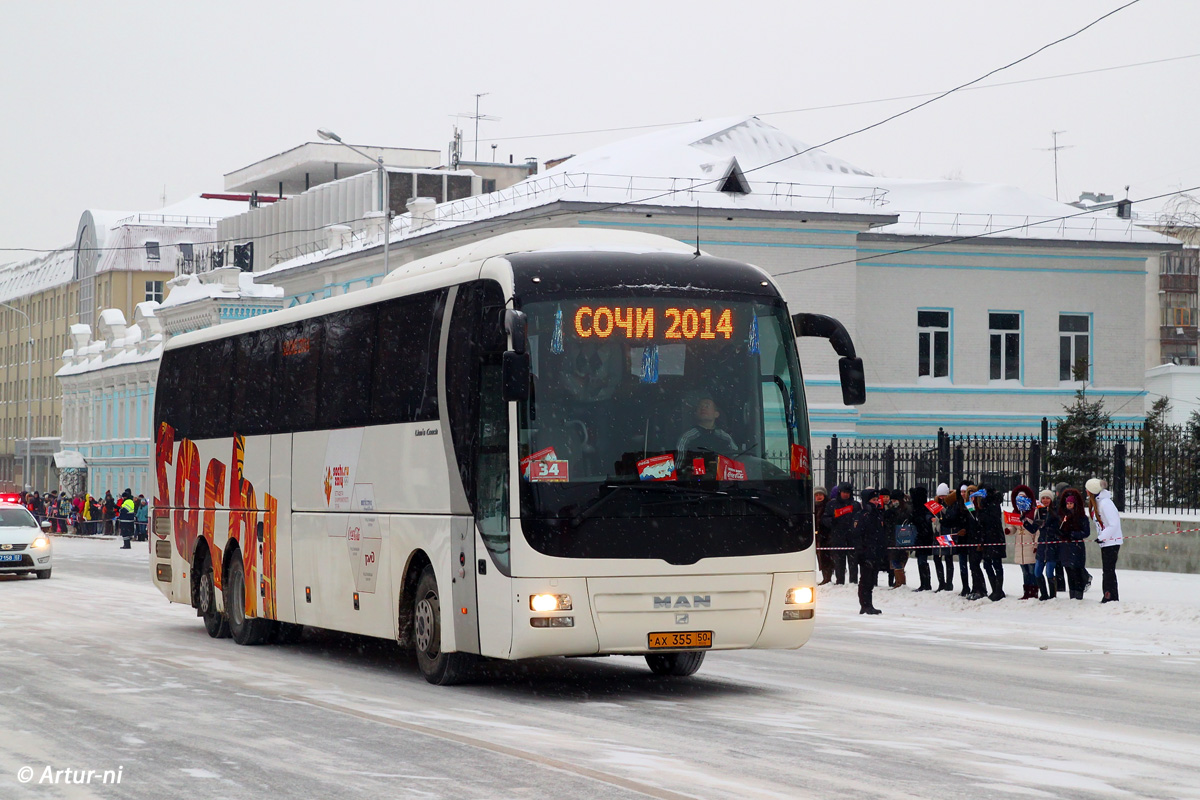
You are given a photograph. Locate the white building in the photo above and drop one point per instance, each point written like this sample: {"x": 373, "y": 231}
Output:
{"x": 108, "y": 384}
{"x": 969, "y": 303}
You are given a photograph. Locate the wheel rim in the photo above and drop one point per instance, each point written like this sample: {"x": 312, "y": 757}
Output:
{"x": 426, "y": 626}
{"x": 206, "y": 592}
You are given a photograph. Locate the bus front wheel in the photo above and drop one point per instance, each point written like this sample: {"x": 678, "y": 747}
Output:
{"x": 678, "y": 665}
{"x": 243, "y": 629}
{"x": 438, "y": 667}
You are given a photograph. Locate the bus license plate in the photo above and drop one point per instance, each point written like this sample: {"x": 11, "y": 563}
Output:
{"x": 668, "y": 641}
{"x": 10, "y": 557}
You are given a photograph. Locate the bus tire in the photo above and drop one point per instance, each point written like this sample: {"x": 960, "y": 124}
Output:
{"x": 244, "y": 630}
{"x": 438, "y": 667}
{"x": 676, "y": 665}
{"x": 215, "y": 622}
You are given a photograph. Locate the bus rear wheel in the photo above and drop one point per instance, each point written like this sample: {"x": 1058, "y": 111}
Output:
{"x": 438, "y": 667}
{"x": 678, "y": 665}
{"x": 206, "y": 603}
{"x": 244, "y": 630}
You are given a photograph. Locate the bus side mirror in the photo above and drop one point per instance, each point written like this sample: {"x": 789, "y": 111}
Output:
{"x": 854, "y": 381}
{"x": 516, "y": 325}
{"x": 515, "y": 376}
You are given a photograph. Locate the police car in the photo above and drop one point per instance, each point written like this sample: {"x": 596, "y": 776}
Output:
{"x": 24, "y": 545}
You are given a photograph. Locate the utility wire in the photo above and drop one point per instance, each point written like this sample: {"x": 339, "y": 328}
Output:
{"x": 850, "y": 104}
{"x": 959, "y": 239}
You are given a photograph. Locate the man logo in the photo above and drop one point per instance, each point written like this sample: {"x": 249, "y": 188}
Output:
{"x": 681, "y": 601}
{"x": 5, "y": 547}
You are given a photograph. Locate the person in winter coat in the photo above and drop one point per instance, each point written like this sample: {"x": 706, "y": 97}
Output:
{"x": 126, "y": 512}
{"x": 954, "y": 522}
{"x": 898, "y": 514}
{"x": 943, "y": 557}
{"x": 140, "y": 515}
{"x": 1074, "y": 528}
{"x": 824, "y": 557}
{"x": 922, "y": 519}
{"x": 1045, "y": 524}
{"x": 1024, "y": 542}
{"x": 840, "y": 512}
{"x": 870, "y": 539}
{"x": 968, "y": 540}
{"x": 1108, "y": 524}
{"x": 110, "y": 512}
{"x": 991, "y": 536}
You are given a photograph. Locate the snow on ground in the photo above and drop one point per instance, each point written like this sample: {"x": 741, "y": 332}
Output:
{"x": 938, "y": 697}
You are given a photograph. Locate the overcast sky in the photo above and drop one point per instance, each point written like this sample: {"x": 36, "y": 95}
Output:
{"x": 105, "y": 104}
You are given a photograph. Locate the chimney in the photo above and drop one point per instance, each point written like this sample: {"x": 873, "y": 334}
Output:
{"x": 373, "y": 226}
{"x": 422, "y": 210}
{"x": 337, "y": 237}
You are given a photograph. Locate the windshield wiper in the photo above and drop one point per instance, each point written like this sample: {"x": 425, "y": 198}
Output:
{"x": 652, "y": 487}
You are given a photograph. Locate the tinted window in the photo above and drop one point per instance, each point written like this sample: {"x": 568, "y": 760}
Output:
{"x": 214, "y": 363}
{"x": 253, "y": 373}
{"x": 174, "y": 390}
{"x": 344, "y": 399}
{"x": 294, "y": 392}
{"x": 404, "y": 381}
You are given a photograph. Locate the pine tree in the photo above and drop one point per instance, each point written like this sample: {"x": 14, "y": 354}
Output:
{"x": 1188, "y": 478}
{"x": 1156, "y": 443}
{"x": 1078, "y": 453}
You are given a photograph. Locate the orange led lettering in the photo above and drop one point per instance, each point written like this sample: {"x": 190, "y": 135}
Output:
{"x": 582, "y": 332}
{"x": 645, "y": 323}
{"x": 691, "y": 323}
{"x": 602, "y": 322}
{"x": 674, "y": 315}
{"x": 624, "y": 322}
{"x": 706, "y": 331}
{"x": 725, "y": 323}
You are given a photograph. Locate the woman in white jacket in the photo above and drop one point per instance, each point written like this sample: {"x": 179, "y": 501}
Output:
{"x": 1108, "y": 523}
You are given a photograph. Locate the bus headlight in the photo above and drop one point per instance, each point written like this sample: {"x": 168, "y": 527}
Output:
{"x": 40, "y": 543}
{"x": 800, "y": 595}
{"x": 550, "y": 602}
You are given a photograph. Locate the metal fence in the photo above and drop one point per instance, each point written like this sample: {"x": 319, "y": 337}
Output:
{"x": 1147, "y": 469}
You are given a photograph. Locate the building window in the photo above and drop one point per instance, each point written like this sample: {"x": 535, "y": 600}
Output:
{"x": 154, "y": 291}
{"x": 1004, "y": 330}
{"x": 152, "y": 253}
{"x": 186, "y": 257}
{"x": 1074, "y": 331}
{"x": 933, "y": 344}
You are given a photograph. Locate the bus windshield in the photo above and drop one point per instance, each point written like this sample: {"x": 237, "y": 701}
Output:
{"x": 659, "y": 407}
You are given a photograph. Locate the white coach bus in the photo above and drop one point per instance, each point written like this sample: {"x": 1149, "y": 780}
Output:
{"x": 547, "y": 443}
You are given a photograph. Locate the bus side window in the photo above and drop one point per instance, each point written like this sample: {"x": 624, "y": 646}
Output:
{"x": 344, "y": 397}
{"x": 211, "y": 394}
{"x": 251, "y": 412}
{"x": 294, "y": 394}
{"x": 404, "y": 383}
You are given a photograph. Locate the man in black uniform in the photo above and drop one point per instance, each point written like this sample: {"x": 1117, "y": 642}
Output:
{"x": 870, "y": 545}
{"x": 840, "y": 513}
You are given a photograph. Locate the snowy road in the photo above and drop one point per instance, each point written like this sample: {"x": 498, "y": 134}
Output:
{"x": 937, "y": 698}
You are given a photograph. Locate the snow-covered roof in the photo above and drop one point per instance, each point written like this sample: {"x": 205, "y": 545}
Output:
{"x": 21, "y": 278}
{"x": 190, "y": 288}
{"x": 688, "y": 165}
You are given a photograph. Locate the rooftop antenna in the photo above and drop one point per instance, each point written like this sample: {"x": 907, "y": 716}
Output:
{"x": 1056, "y": 148}
{"x": 477, "y": 116}
{"x": 164, "y": 196}
{"x": 697, "y": 229}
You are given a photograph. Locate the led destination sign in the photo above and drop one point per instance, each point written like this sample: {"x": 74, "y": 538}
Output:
{"x": 633, "y": 322}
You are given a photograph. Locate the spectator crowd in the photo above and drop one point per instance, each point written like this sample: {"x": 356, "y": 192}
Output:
{"x": 86, "y": 514}
{"x": 881, "y": 529}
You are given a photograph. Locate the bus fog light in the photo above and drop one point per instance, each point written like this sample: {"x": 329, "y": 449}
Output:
{"x": 550, "y": 602}
{"x": 798, "y": 613}
{"x": 552, "y": 622}
{"x": 800, "y": 595}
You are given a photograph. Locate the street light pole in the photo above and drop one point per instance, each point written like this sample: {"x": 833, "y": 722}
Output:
{"x": 385, "y": 191}
{"x": 28, "y": 395}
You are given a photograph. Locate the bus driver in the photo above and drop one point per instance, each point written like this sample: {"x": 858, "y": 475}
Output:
{"x": 705, "y": 435}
